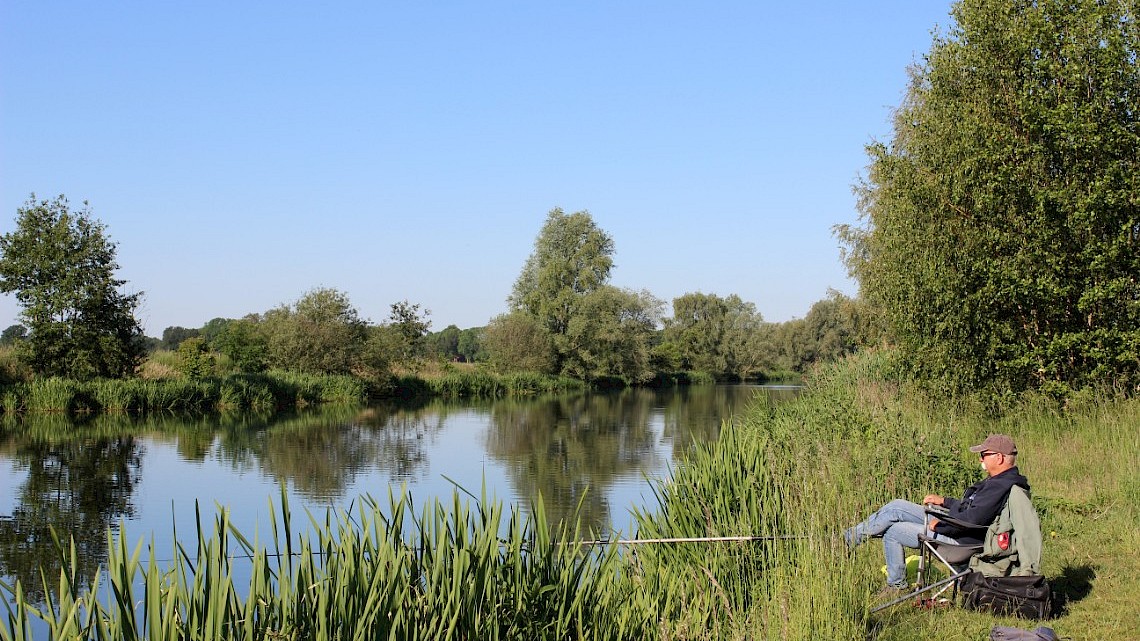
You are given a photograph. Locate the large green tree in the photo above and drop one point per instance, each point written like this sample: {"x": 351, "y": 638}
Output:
{"x": 517, "y": 342}
{"x": 61, "y": 265}
{"x": 717, "y": 335}
{"x": 572, "y": 258}
{"x": 1002, "y": 235}
{"x": 611, "y": 335}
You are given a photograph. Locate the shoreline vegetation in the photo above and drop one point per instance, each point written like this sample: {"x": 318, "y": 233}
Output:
{"x": 279, "y": 390}
{"x": 798, "y": 471}
{"x": 264, "y": 392}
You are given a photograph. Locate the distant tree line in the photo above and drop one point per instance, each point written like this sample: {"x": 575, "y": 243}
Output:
{"x": 320, "y": 333}
{"x": 563, "y": 318}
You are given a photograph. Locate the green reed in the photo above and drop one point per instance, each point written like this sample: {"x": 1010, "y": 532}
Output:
{"x": 258, "y": 392}
{"x": 52, "y": 395}
{"x": 484, "y": 384}
{"x": 450, "y": 571}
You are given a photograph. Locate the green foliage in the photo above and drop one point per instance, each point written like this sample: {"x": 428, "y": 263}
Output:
{"x": 833, "y": 328}
{"x": 572, "y": 257}
{"x": 382, "y": 349}
{"x": 13, "y": 334}
{"x": 564, "y": 317}
{"x": 722, "y": 336}
{"x": 244, "y": 342}
{"x": 1003, "y": 230}
{"x": 470, "y": 345}
{"x": 795, "y": 474}
{"x": 60, "y": 265}
{"x": 444, "y": 344}
{"x": 12, "y": 369}
{"x": 477, "y": 383}
{"x": 610, "y": 336}
{"x": 262, "y": 392}
{"x": 320, "y": 333}
{"x": 384, "y": 571}
{"x": 518, "y": 342}
{"x": 407, "y": 325}
{"x": 194, "y": 359}
{"x": 52, "y": 395}
{"x": 173, "y": 336}
{"x": 213, "y": 328}
{"x": 483, "y": 384}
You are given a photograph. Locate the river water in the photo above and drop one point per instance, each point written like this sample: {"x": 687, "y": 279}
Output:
{"x": 146, "y": 477}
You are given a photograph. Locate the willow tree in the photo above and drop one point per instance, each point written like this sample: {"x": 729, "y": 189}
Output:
{"x": 721, "y": 336}
{"x": 321, "y": 332}
{"x": 572, "y": 259}
{"x": 1002, "y": 221}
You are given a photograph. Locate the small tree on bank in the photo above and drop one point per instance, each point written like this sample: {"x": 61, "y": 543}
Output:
{"x": 61, "y": 267}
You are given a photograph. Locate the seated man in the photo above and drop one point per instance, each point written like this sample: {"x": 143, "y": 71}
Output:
{"x": 900, "y": 522}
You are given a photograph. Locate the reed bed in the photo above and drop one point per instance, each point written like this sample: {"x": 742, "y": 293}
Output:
{"x": 484, "y": 384}
{"x": 448, "y": 572}
{"x": 257, "y": 392}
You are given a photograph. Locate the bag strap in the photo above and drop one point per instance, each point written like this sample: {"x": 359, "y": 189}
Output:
{"x": 1006, "y": 633}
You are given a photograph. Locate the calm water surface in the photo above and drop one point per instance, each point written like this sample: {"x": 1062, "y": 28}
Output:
{"x": 147, "y": 476}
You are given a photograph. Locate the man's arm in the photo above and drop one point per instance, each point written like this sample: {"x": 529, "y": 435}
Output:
{"x": 933, "y": 499}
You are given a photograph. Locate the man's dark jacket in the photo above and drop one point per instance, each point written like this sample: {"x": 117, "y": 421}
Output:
{"x": 980, "y": 504}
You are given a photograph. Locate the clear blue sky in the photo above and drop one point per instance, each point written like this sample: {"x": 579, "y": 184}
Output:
{"x": 243, "y": 153}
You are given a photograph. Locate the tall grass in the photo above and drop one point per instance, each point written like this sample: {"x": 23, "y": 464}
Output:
{"x": 258, "y": 392}
{"x": 53, "y": 395}
{"x": 480, "y": 383}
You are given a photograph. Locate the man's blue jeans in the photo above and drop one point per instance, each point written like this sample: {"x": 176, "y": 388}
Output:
{"x": 899, "y": 523}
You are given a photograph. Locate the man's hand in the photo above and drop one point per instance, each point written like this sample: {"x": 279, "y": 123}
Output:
{"x": 933, "y": 499}
{"x": 933, "y": 522}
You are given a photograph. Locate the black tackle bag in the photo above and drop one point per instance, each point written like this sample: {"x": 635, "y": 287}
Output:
{"x": 1028, "y": 597}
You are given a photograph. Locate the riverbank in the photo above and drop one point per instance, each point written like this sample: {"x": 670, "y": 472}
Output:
{"x": 266, "y": 392}
{"x": 278, "y": 390}
{"x": 794, "y": 473}
{"x": 857, "y": 439}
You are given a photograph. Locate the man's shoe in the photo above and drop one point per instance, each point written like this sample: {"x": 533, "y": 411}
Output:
{"x": 889, "y": 592}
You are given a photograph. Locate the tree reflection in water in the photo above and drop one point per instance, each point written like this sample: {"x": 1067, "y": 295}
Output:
{"x": 79, "y": 487}
{"x": 574, "y": 449}
{"x": 571, "y": 449}
{"x": 320, "y": 454}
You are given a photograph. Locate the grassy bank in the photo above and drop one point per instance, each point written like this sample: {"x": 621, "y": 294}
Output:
{"x": 257, "y": 392}
{"x": 794, "y": 473}
{"x": 267, "y": 392}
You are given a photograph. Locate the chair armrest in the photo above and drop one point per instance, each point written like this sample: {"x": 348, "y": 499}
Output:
{"x": 943, "y": 516}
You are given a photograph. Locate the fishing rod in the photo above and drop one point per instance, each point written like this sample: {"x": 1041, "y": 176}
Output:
{"x": 582, "y": 543}
{"x": 688, "y": 539}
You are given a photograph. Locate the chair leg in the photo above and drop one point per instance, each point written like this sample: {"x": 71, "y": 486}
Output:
{"x": 951, "y": 579}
